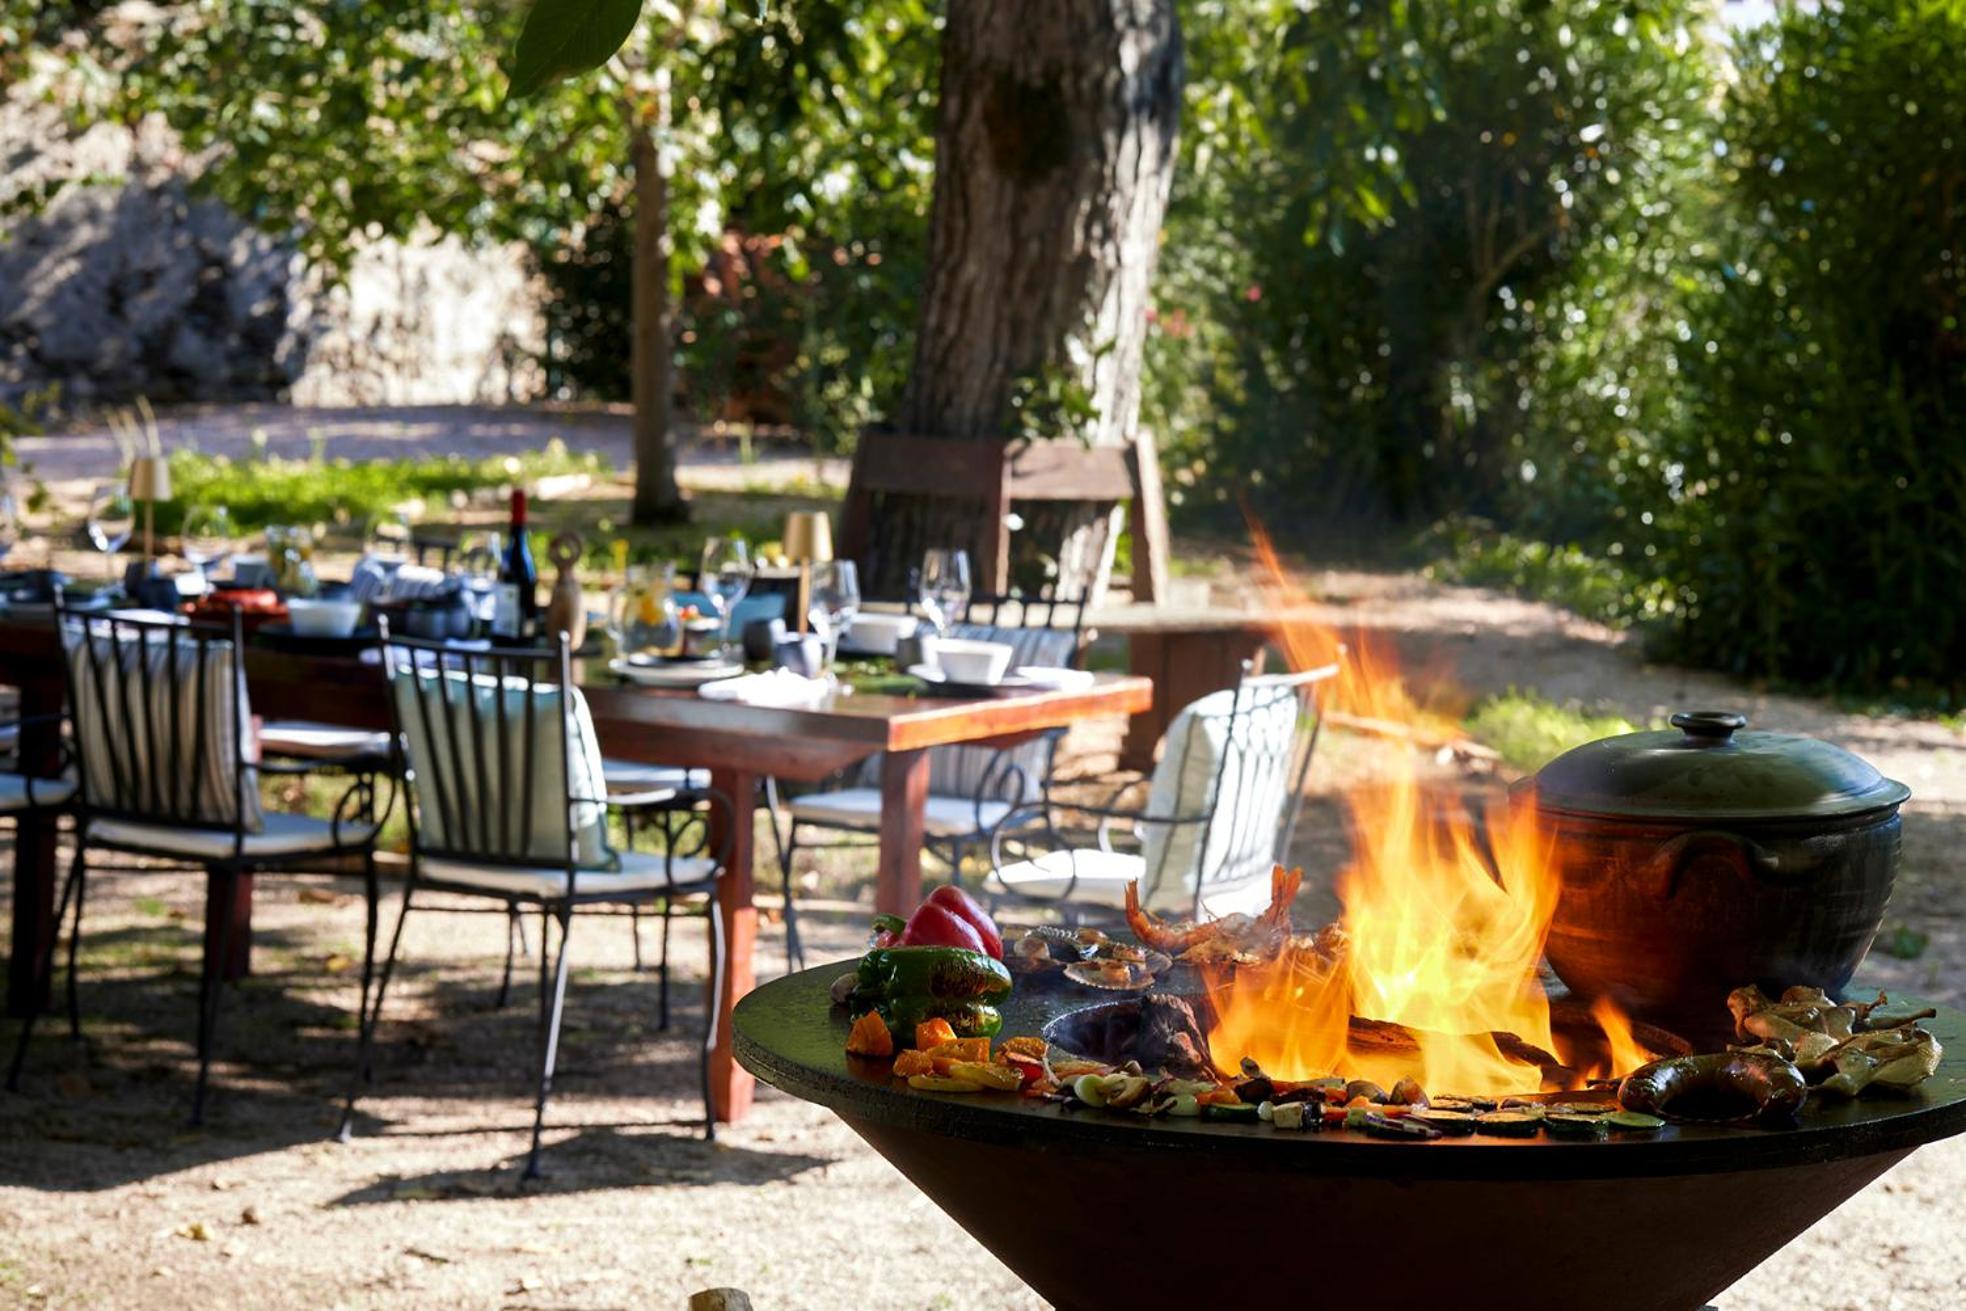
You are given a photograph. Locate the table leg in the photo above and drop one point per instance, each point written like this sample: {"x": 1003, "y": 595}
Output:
{"x": 238, "y": 910}
{"x": 731, "y": 1086}
{"x": 1146, "y": 655}
{"x": 34, "y": 915}
{"x": 904, "y": 791}
{"x": 35, "y": 839}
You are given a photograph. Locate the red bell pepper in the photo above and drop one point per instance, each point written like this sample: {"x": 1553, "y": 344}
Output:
{"x": 962, "y": 905}
{"x": 935, "y": 925}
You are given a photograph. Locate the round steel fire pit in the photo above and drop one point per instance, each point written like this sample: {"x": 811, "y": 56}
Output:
{"x": 1101, "y": 1210}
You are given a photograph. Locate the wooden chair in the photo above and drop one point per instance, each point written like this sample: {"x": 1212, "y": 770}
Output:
{"x": 1220, "y": 811}
{"x": 160, "y": 729}
{"x": 507, "y": 802}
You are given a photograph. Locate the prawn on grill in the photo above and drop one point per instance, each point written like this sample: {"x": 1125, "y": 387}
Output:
{"x": 1177, "y": 936}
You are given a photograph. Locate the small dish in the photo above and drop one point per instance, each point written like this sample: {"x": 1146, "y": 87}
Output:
{"x": 938, "y": 680}
{"x": 878, "y": 634}
{"x": 679, "y": 675}
{"x": 967, "y": 661}
{"x": 317, "y": 617}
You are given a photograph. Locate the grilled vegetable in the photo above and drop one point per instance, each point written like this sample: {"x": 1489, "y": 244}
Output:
{"x": 870, "y": 1037}
{"x": 1509, "y": 1124}
{"x": 962, "y": 906}
{"x": 1456, "y": 1124}
{"x": 1576, "y": 1126}
{"x": 911, "y": 986}
{"x": 943, "y": 1084}
{"x": 930, "y": 1034}
{"x": 1633, "y": 1122}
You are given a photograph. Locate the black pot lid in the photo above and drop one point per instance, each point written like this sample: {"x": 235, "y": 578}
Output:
{"x": 1705, "y": 767}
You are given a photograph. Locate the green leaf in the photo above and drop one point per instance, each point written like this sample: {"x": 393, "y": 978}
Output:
{"x": 565, "y": 37}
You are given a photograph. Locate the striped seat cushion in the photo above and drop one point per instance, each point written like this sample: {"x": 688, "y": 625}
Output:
{"x": 155, "y": 727}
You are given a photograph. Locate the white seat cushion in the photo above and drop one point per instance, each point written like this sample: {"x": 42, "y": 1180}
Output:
{"x": 17, "y": 794}
{"x": 641, "y": 871}
{"x": 1102, "y": 880}
{"x": 942, "y": 816}
{"x": 279, "y": 835}
{"x": 630, "y": 781}
{"x": 311, "y": 741}
{"x": 1102, "y": 876}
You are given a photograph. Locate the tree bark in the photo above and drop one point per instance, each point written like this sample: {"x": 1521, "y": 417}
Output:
{"x": 1055, "y": 149}
{"x": 657, "y": 498}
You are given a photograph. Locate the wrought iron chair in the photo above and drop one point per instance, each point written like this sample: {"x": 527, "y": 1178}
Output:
{"x": 972, "y": 790}
{"x": 507, "y": 802}
{"x": 1220, "y": 811}
{"x": 160, "y": 729}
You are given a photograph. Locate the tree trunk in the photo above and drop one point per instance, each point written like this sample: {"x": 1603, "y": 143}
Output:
{"x": 657, "y": 498}
{"x": 1055, "y": 148}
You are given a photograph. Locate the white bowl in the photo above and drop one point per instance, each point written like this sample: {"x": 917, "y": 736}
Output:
{"x": 965, "y": 661}
{"x": 880, "y": 633}
{"x": 315, "y": 618}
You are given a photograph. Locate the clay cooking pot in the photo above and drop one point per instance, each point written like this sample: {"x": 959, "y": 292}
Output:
{"x": 1699, "y": 858}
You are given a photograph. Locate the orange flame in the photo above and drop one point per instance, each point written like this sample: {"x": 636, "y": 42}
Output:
{"x": 1446, "y": 912}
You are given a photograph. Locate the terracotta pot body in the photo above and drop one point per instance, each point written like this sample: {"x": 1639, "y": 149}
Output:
{"x": 1666, "y": 919}
{"x": 1694, "y": 862}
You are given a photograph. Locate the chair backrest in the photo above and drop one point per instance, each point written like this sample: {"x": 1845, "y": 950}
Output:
{"x": 161, "y": 720}
{"x": 969, "y": 772}
{"x": 1231, "y": 780}
{"x": 503, "y": 765}
{"x": 1016, "y": 610}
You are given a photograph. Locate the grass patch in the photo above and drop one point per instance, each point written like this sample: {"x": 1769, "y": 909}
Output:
{"x": 349, "y": 494}
{"x": 1529, "y": 730}
{"x": 1466, "y": 551}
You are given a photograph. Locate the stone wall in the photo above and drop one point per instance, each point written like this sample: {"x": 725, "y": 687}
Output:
{"x": 117, "y": 281}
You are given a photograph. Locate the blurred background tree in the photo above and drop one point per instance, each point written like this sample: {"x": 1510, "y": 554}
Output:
{"x": 1615, "y": 304}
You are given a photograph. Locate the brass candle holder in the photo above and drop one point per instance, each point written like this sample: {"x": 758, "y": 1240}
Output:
{"x": 808, "y": 541}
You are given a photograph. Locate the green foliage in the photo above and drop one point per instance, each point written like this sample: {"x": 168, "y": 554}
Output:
{"x": 1530, "y": 731}
{"x": 1475, "y": 553}
{"x": 1380, "y": 203}
{"x": 1811, "y": 511}
{"x": 563, "y": 38}
{"x": 349, "y": 494}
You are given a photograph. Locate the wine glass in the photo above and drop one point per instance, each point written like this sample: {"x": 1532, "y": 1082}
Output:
{"x": 206, "y": 538}
{"x": 112, "y": 518}
{"x": 479, "y": 557}
{"x": 9, "y": 521}
{"x": 725, "y": 577}
{"x": 641, "y": 615}
{"x": 945, "y": 587}
{"x": 835, "y": 601}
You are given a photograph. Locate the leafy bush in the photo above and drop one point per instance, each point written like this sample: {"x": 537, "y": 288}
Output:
{"x": 1469, "y": 552}
{"x": 1811, "y": 511}
{"x": 1385, "y": 209}
{"x": 346, "y": 493}
{"x": 1530, "y": 731}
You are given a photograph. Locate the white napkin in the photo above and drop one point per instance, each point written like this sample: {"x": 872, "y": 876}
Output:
{"x": 1054, "y": 678}
{"x": 779, "y": 687}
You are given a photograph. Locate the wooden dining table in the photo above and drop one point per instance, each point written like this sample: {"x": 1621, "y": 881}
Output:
{"x": 738, "y": 743}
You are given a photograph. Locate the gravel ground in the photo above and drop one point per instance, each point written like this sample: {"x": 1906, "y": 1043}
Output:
{"x": 107, "y": 1200}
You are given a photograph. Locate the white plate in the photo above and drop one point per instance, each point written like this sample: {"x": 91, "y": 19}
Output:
{"x": 674, "y": 675}
{"x": 933, "y": 675}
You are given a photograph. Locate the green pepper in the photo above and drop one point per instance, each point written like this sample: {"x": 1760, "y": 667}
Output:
{"x": 945, "y": 973}
{"x": 911, "y": 984}
{"x": 969, "y": 1019}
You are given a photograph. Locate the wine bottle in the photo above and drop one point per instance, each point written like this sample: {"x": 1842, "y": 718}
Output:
{"x": 516, "y": 617}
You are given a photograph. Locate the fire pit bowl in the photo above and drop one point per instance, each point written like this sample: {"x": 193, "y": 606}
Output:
{"x": 1103, "y": 1210}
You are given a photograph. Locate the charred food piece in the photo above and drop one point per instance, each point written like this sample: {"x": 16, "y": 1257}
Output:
{"x": 1719, "y": 1088}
